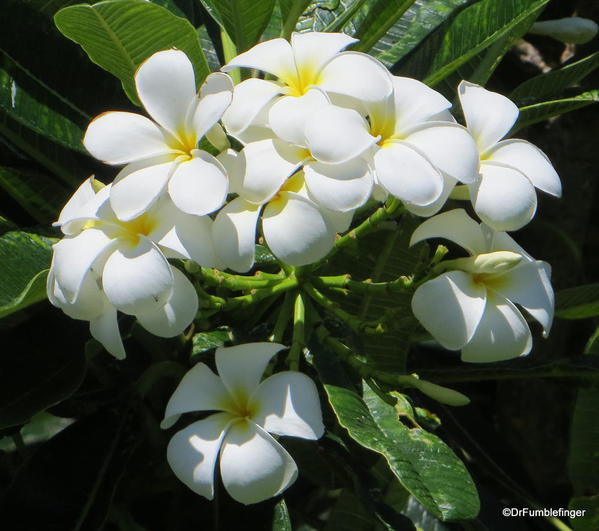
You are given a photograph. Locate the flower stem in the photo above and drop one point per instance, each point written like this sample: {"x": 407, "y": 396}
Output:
{"x": 299, "y": 340}
{"x": 257, "y": 295}
{"x": 282, "y": 319}
{"x": 213, "y": 277}
{"x": 366, "y": 287}
{"x": 350, "y": 320}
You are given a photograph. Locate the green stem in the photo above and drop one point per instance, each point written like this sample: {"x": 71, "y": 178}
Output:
{"x": 299, "y": 340}
{"x": 260, "y": 294}
{"x": 213, "y": 277}
{"x": 297, "y": 8}
{"x": 353, "y": 322}
{"x": 230, "y": 51}
{"x": 282, "y": 319}
{"x": 366, "y": 287}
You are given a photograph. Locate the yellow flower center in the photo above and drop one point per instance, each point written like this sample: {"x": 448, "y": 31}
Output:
{"x": 239, "y": 404}
{"x": 183, "y": 144}
{"x": 294, "y": 184}
{"x": 129, "y": 231}
{"x": 299, "y": 83}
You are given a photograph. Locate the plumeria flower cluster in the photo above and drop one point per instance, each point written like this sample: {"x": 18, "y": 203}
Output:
{"x": 321, "y": 131}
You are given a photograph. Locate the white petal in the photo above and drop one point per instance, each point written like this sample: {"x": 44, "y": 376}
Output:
{"x": 449, "y": 146}
{"x": 249, "y": 98}
{"x": 313, "y": 49}
{"x": 137, "y": 187}
{"x": 435, "y": 206}
{"x": 504, "y": 198}
{"x": 105, "y": 329}
{"x": 192, "y": 453}
{"x": 89, "y": 303}
{"x": 274, "y": 56}
{"x": 357, "y": 75}
{"x": 338, "y": 221}
{"x": 72, "y": 209}
{"x": 455, "y": 226}
{"x": 265, "y": 166}
{"x": 296, "y": 231}
{"x": 241, "y": 367}
{"x": 215, "y": 96}
{"x": 288, "y": 404}
{"x": 339, "y": 187}
{"x": 74, "y": 257}
{"x": 234, "y": 234}
{"x": 166, "y": 86}
{"x": 199, "y": 390}
{"x": 501, "y": 335}
{"x": 288, "y": 115}
{"x": 406, "y": 173}
{"x": 96, "y": 209}
{"x": 531, "y": 161}
{"x": 415, "y": 102}
{"x": 529, "y": 285}
{"x": 489, "y": 115}
{"x": 121, "y": 137}
{"x": 177, "y": 314}
{"x": 199, "y": 186}
{"x": 253, "y": 466}
{"x": 336, "y": 135}
{"x": 450, "y": 307}
{"x": 230, "y": 159}
{"x": 137, "y": 279}
{"x": 184, "y": 235}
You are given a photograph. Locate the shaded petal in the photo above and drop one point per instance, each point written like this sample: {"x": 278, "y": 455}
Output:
{"x": 415, "y": 102}
{"x": 137, "y": 187}
{"x": 435, "y": 206}
{"x": 193, "y": 451}
{"x": 74, "y": 257}
{"x": 121, "y": 137}
{"x": 407, "y": 174}
{"x": 489, "y": 115}
{"x": 450, "y": 307}
{"x": 137, "y": 279}
{"x": 531, "y": 161}
{"x": 504, "y": 198}
{"x": 265, "y": 166}
{"x": 241, "y": 367}
{"x": 178, "y": 312}
{"x": 449, "y": 146}
{"x": 215, "y": 96}
{"x": 199, "y": 390}
{"x": 529, "y": 285}
{"x": 274, "y": 56}
{"x": 89, "y": 302}
{"x": 234, "y": 234}
{"x": 455, "y": 226}
{"x": 296, "y": 230}
{"x": 105, "y": 329}
{"x": 338, "y": 221}
{"x": 84, "y": 194}
{"x": 288, "y": 115}
{"x": 314, "y": 49}
{"x": 336, "y": 135}
{"x": 288, "y": 404}
{"x": 199, "y": 186}
{"x": 97, "y": 208}
{"x": 339, "y": 187}
{"x": 501, "y": 335}
{"x": 249, "y": 98}
{"x": 166, "y": 86}
{"x": 253, "y": 466}
{"x": 357, "y": 75}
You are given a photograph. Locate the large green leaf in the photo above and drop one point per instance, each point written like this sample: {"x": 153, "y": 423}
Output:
{"x": 421, "y": 461}
{"x": 243, "y": 20}
{"x": 280, "y": 518}
{"x": 461, "y": 38}
{"x": 24, "y": 260}
{"x": 554, "y": 82}
{"x": 531, "y": 114}
{"x": 119, "y": 35}
{"x": 579, "y": 302}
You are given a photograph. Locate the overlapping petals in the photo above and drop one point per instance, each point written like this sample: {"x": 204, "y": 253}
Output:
{"x": 253, "y": 465}
{"x": 471, "y": 306}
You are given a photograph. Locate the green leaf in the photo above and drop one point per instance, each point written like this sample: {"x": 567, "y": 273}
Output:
{"x": 280, "y": 518}
{"x": 24, "y": 260}
{"x": 205, "y": 341}
{"x": 472, "y": 30}
{"x": 579, "y": 302}
{"x": 349, "y": 514}
{"x": 589, "y": 520}
{"x": 119, "y": 35}
{"x": 243, "y": 20}
{"x": 554, "y": 82}
{"x": 39, "y": 195}
{"x": 531, "y": 114}
{"x": 421, "y": 461}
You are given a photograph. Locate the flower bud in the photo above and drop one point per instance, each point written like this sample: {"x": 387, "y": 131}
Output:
{"x": 574, "y": 30}
{"x": 486, "y": 263}
{"x": 441, "y": 394}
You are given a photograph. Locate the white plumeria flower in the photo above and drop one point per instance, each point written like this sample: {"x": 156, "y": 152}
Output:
{"x": 417, "y": 151}
{"x": 163, "y": 155}
{"x": 504, "y": 195}
{"x": 311, "y": 59}
{"x": 253, "y": 465}
{"x": 472, "y": 306}
{"x": 297, "y": 230}
{"x": 104, "y": 264}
